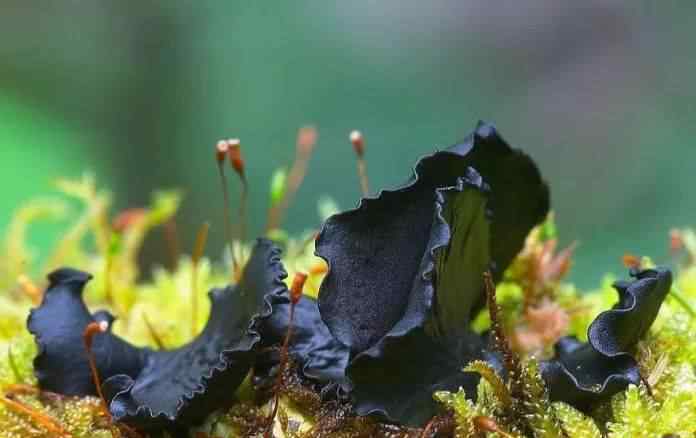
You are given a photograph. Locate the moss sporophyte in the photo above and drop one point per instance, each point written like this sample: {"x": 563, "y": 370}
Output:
{"x": 438, "y": 308}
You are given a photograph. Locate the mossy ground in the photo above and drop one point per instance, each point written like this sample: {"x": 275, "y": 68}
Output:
{"x": 538, "y": 307}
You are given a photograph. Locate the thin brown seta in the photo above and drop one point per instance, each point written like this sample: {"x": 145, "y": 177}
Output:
{"x": 92, "y": 329}
{"x": 30, "y": 289}
{"x": 234, "y": 151}
{"x": 201, "y": 240}
{"x": 631, "y": 261}
{"x": 358, "y": 142}
{"x": 306, "y": 140}
{"x": 21, "y": 389}
{"x": 296, "y": 289}
{"x": 48, "y": 423}
{"x": 221, "y": 151}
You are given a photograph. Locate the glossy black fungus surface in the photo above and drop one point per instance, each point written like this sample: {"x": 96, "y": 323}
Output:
{"x": 381, "y": 255}
{"x": 412, "y": 260}
{"x": 156, "y": 389}
{"x": 584, "y": 373}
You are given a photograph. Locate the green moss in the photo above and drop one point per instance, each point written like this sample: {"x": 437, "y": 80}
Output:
{"x": 667, "y": 356}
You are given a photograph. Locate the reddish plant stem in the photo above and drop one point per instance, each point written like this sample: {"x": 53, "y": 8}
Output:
{"x": 295, "y": 296}
{"x": 92, "y": 329}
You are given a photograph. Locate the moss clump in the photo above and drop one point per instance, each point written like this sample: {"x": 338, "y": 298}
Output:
{"x": 158, "y": 311}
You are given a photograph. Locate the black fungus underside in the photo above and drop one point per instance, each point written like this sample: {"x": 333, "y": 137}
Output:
{"x": 320, "y": 356}
{"x": 399, "y": 386}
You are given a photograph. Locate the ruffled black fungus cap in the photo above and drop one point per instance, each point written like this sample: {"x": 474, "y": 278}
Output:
{"x": 155, "y": 389}
{"x": 406, "y": 271}
{"x": 583, "y": 373}
{"x": 61, "y": 364}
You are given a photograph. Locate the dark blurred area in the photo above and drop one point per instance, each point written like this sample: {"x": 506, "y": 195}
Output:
{"x": 601, "y": 93}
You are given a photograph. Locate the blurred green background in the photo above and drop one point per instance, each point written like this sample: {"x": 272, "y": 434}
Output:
{"x": 601, "y": 93}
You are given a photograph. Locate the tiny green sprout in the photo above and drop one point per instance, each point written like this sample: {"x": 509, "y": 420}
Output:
{"x": 283, "y": 191}
{"x": 112, "y": 251}
{"x": 647, "y": 263}
{"x": 327, "y": 207}
{"x": 548, "y": 230}
{"x": 278, "y": 185}
{"x": 13, "y": 365}
{"x": 164, "y": 205}
{"x": 115, "y": 244}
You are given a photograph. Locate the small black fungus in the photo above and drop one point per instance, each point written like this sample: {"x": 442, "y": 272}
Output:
{"x": 61, "y": 365}
{"x": 583, "y": 373}
{"x": 166, "y": 388}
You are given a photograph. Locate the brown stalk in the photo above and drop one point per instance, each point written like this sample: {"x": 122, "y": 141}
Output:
{"x": 92, "y": 329}
{"x": 171, "y": 237}
{"x": 30, "y": 289}
{"x": 296, "y": 288}
{"x": 358, "y": 142}
{"x": 234, "y": 151}
{"x": 306, "y": 139}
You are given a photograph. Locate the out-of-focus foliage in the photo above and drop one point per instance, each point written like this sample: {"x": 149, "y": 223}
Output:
{"x": 137, "y": 92}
